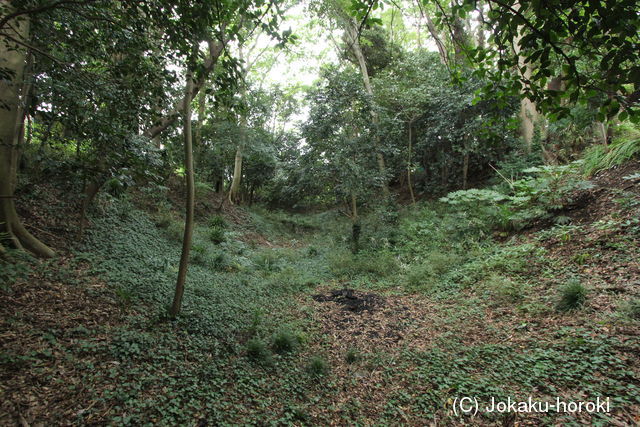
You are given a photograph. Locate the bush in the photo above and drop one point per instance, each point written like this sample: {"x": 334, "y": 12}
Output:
{"x": 267, "y": 260}
{"x": 163, "y": 219}
{"x": 175, "y": 231}
{"x": 420, "y": 277}
{"x": 317, "y": 367}
{"x": 573, "y": 295}
{"x": 202, "y": 189}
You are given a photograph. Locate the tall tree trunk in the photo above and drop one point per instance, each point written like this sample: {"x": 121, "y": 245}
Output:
{"x": 234, "y": 190}
{"x": 460, "y": 41}
{"x": 529, "y": 115}
{"x": 352, "y": 39}
{"x": 409, "y": 158}
{"x": 465, "y": 170}
{"x": 480, "y": 35}
{"x": 442, "y": 51}
{"x": 355, "y": 225}
{"x": 12, "y": 99}
{"x": 190, "y": 205}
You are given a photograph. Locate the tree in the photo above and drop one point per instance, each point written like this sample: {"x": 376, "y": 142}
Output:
{"x": 190, "y": 200}
{"x": 15, "y": 89}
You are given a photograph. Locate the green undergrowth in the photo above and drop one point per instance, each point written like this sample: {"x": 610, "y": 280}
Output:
{"x": 245, "y": 351}
{"x": 236, "y": 340}
{"x": 577, "y": 365}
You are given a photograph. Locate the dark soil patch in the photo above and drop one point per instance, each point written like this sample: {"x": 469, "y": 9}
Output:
{"x": 351, "y": 300}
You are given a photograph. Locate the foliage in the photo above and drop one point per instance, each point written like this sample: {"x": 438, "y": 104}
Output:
{"x": 600, "y": 59}
{"x": 625, "y": 146}
{"x": 516, "y": 203}
{"x": 14, "y": 266}
{"x": 378, "y": 264}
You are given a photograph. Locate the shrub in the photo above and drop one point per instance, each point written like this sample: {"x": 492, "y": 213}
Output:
{"x": 420, "y": 277}
{"x": 202, "y": 189}
{"x": 317, "y": 367}
{"x": 284, "y": 342}
{"x": 267, "y": 260}
{"x": 220, "y": 261}
{"x": 573, "y": 295}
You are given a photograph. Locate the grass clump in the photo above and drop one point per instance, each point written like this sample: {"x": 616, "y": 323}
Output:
{"x": 258, "y": 351}
{"x": 352, "y": 356}
{"x": 199, "y": 254}
{"x": 504, "y": 290}
{"x": 632, "y": 309}
{"x": 217, "y": 235}
{"x": 267, "y": 260}
{"x": 284, "y": 342}
{"x": 175, "y": 231}
{"x": 218, "y": 221}
{"x": 429, "y": 272}
{"x": 624, "y": 147}
{"x": 163, "y": 219}
{"x": 573, "y": 295}
{"x": 318, "y": 367}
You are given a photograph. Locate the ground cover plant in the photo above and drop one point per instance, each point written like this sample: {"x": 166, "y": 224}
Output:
{"x": 319, "y": 212}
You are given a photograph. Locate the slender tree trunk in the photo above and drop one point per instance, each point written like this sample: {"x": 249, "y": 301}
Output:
{"x": 480, "y": 35}
{"x": 465, "y": 170}
{"x": 605, "y": 134}
{"x": 529, "y": 115}
{"x": 442, "y": 51}
{"x": 234, "y": 190}
{"x": 409, "y": 158}
{"x": 355, "y": 225}
{"x": 190, "y": 205}
{"x": 90, "y": 192}
{"x": 352, "y": 39}
{"x": 12, "y": 98}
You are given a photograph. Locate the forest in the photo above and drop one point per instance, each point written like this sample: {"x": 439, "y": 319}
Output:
{"x": 319, "y": 212}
